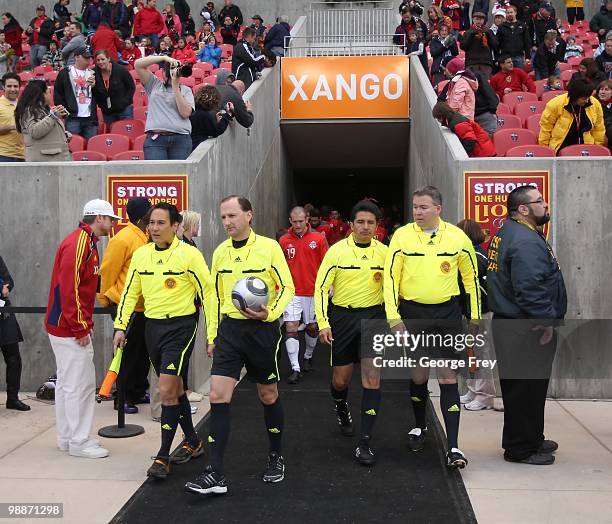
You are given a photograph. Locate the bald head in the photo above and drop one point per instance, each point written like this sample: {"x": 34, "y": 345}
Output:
{"x": 298, "y": 220}
{"x": 239, "y": 86}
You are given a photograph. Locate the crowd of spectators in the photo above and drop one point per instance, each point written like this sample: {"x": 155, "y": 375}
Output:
{"x": 482, "y": 67}
{"x": 87, "y": 73}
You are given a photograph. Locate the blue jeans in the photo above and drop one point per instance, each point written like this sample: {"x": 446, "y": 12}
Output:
{"x": 543, "y": 74}
{"x": 83, "y": 126}
{"x": 167, "y": 147}
{"x": 127, "y": 113}
{"x": 37, "y": 52}
{"x": 10, "y": 159}
{"x": 153, "y": 37}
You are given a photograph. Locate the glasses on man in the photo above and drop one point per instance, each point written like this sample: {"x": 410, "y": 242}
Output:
{"x": 538, "y": 201}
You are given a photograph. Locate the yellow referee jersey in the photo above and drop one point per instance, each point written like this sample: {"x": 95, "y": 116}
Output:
{"x": 356, "y": 273}
{"x": 260, "y": 257}
{"x": 424, "y": 268}
{"x": 168, "y": 280}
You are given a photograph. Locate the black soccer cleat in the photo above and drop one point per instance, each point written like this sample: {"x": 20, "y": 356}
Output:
{"x": 160, "y": 468}
{"x": 364, "y": 453}
{"x": 345, "y": 421}
{"x": 307, "y": 366}
{"x": 275, "y": 468}
{"x": 455, "y": 459}
{"x": 416, "y": 439}
{"x": 294, "y": 378}
{"x": 208, "y": 482}
{"x": 187, "y": 452}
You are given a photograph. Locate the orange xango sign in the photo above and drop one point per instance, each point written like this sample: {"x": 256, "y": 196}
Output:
{"x": 344, "y": 87}
{"x": 486, "y": 194}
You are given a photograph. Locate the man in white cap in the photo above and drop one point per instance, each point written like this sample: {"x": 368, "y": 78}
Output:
{"x": 69, "y": 322}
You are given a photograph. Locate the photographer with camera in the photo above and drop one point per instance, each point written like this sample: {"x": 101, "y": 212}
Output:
{"x": 170, "y": 105}
{"x": 208, "y": 121}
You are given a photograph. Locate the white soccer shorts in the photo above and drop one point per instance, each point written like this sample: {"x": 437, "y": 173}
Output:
{"x": 300, "y": 308}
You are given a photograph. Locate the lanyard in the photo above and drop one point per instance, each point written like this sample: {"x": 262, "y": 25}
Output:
{"x": 577, "y": 118}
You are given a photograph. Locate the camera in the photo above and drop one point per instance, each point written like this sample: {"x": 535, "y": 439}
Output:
{"x": 184, "y": 70}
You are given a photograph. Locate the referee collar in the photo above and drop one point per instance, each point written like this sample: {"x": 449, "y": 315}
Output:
{"x": 419, "y": 229}
{"x": 250, "y": 240}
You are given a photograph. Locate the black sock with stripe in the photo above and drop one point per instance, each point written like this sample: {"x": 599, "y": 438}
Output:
{"x": 275, "y": 420}
{"x": 169, "y": 422}
{"x": 186, "y": 421}
{"x": 370, "y": 405}
{"x": 219, "y": 434}
{"x": 450, "y": 405}
{"x": 339, "y": 396}
{"x": 418, "y": 396}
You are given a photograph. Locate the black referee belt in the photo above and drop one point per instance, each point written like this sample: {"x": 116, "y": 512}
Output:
{"x": 351, "y": 308}
{"x": 419, "y": 304}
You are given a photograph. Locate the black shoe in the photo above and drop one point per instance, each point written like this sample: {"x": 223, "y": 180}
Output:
{"x": 345, "y": 421}
{"x": 187, "y": 452}
{"x": 536, "y": 459}
{"x": 275, "y": 468}
{"x": 416, "y": 439}
{"x": 294, "y": 378}
{"x": 209, "y": 481}
{"x": 307, "y": 366}
{"x": 159, "y": 469}
{"x": 15, "y": 403}
{"x": 455, "y": 459}
{"x": 548, "y": 447}
{"x": 364, "y": 454}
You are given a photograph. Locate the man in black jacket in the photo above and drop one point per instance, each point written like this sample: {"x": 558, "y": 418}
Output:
{"x": 231, "y": 10}
{"x": 73, "y": 90}
{"x": 239, "y": 109}
{"x": 116, "y": 16}
{"x": 40, "y": 31}
{"x": 113, "y": 90}
{"x": 245, "y": 65}
{"x": 486, "y": 104}
{"x": 480, "y": 45}
{"x": 275, "y": 39}
{"x": 514, "y": 39}
{"x": 528, "y": 299}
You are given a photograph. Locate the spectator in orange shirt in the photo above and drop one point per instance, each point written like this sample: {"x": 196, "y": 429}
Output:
{"x": 183, "y": 53}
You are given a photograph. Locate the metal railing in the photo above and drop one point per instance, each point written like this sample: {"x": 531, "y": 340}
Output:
{"x": 343, "y": 45}
{"x": 351, "y": 18}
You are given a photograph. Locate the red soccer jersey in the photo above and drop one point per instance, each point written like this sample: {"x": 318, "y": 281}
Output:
{"x": 339, "y": 230}
{"x": 304, "y": 256}
{"x": 324, "y": 228}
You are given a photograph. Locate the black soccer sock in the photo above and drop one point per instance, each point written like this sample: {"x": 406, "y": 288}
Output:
{"x": 451, "y": 411}
{"x": 275, "y": 420}
{"x": 219, "y": 434}
{"x": 419, "y": 395}
{"x": 370, "y": 404}
{"x": 339, "y": 396}
{"x": 169, "y": 422}
{"x": 186, "y": 421}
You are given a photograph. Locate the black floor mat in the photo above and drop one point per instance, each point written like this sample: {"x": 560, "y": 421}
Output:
{"x": 323, "y": 482}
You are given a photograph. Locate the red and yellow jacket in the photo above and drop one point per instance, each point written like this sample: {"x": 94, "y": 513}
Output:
{"x": 74, "y": 283}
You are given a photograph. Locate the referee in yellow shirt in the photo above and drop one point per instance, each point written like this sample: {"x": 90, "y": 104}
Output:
{"x": 246, "y": 338}
{"x": 425, "y": 260}
{"x": 169, "y": 274}
{"x": 354, "y": 268}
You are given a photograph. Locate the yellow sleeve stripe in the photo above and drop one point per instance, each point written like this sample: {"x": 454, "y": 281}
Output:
{"x": 81, "y": 243}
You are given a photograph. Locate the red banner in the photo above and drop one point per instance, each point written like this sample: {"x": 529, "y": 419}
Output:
{"x": 157, "y": 188}
{"x": 486, "y": 194}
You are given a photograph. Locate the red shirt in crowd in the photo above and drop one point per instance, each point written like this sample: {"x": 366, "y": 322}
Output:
{"x": 148, "y": 21}
{"x": 74, "y": 283}
{"x": 304, "y": 256}
{"x": 106, "y": 38}
{"x": 131, "y": 55}
{"x": 517, "y": 80}
{"x": 338, "y": 230}
{"x": 184, "y": 56}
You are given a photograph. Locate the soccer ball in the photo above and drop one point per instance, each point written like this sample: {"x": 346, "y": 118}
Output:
{"x": 250, "y": 293}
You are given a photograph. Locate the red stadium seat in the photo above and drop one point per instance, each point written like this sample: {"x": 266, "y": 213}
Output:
{"x": 516, "y": 97}
{"x": 139, "y": 99}
{"x": 534, "y": 151}
{"x": 77, "y": 143}
{"x": 129, "y": 155}
{"x": 130, "y": 128}
{"x": 212, "y": 79}
{"x": 227, "y": 50}
{"x": 540, "y": 87}
{"x": 204, "y": 66}
{"x": 533, "y": 124}
{"x": 188, "y": 81}
{"x": 508, "y": 121}
{"x": 88, "y": 156}
{"x": 505, "y": 139}
{"x": 526, "y": 109}
{"x": 42, "y": 69}
{"x": 198, "y": 75}
{"x": 109, "y": 144}
{"x": 134, "y": 76}
{"x": 503, "y": 109}
{"x": 574, "y": 61}
{"x": 139, "y": 142}
{"x": 226, "y": 65}
{"x": 549, "y": 95}
{"x": 50, "y": 77}
{"x": 140, "y": 113}
{"x": 26, "y": 76}
{"x": 216, "y": 71}
{"x": 566, "y": 76}
{"x": 585, "y": 150}
{"x": 563, "y": 66}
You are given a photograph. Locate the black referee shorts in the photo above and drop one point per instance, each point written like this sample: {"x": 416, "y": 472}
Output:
{"x": 250, "y": 343}
{"x": 170, "y": 342}
{"x": 346, "y": 326}
{"x": 438, "y": 322}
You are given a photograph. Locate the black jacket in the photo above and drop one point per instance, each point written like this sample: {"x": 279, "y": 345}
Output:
{"x": 233, "y": 11}
{"x": 524, "y": 279}
{"x": 546, "y": 61}
{"x": 486, "y": 98}
{"x": 182, "y": 10}
{"x": 117, "y": 17}
{"x": 9, "y": 328}
{"x": 61, "y": 14}
{"x": 442, "y": 54}
{"x": 514, "y": 39}
{"x": 46, "y": 32}
{"x": 204, "y": 125}
{"x": 63, "y": 94}
{"x": 245, "y": 64}
{"x": 276, "y": 35}
{"x": 229, "y": 94}
{"x": 476, "y": 53}
{"x": 121, "y": 90}
{"x": 539, "y": 26}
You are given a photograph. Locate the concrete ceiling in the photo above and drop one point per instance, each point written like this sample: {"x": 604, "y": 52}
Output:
{"x": 351, "y": 144}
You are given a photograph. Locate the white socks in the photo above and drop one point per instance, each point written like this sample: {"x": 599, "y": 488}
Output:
{"x": 293, "y": 350}
{"x": 311, "y": 342}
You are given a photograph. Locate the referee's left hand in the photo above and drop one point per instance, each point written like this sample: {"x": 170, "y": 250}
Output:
{"x": 262, "y": 314}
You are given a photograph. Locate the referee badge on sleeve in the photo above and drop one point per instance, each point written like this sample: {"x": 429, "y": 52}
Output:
{"x": 377, "y": 276}
{"x": 445, "y": 267}
{"x": 170, "y": 283}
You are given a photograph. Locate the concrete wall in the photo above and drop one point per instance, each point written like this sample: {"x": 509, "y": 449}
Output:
{"x": 42, "y": 203}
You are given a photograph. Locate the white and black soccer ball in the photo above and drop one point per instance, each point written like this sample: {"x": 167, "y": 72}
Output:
{"x": 250, "y": 293}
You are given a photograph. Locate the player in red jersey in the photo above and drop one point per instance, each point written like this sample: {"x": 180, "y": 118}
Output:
{"x": 339, "y": 228}
{"x": 317, "y": 224}
{"x": 304, "y": 250}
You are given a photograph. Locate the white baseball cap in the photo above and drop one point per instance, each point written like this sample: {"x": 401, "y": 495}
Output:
{"x": 99, "y": 207}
